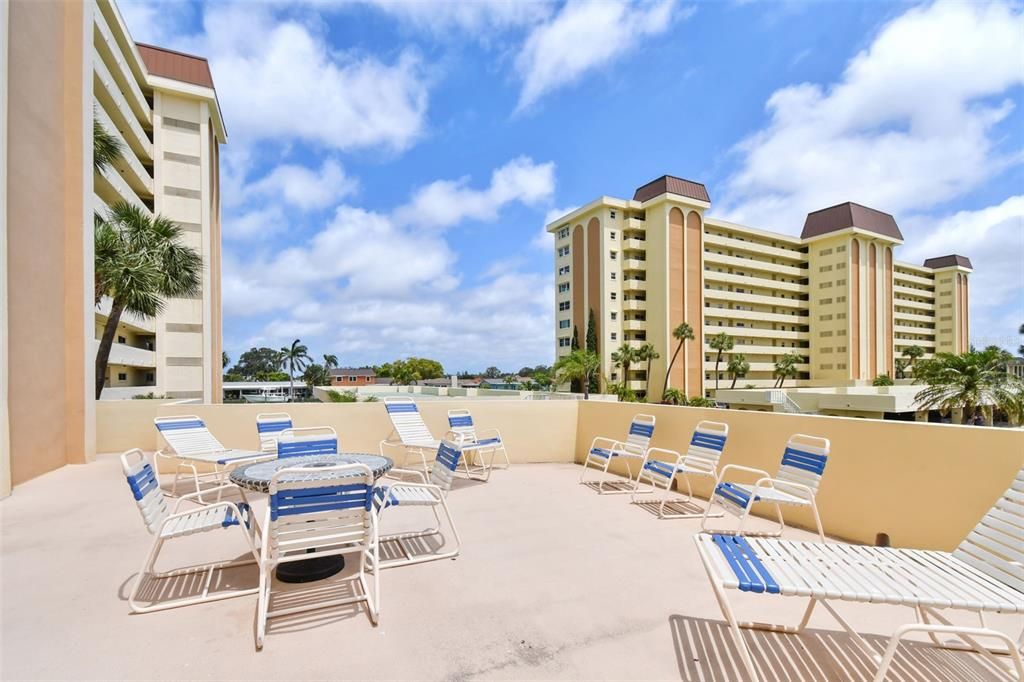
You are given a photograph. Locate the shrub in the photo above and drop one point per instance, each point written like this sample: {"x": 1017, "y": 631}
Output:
{"x": 147, "y": 396}
{"x": 700, "y": 401}
{"x": 882, "y": 380}
{"x": 371, "y": 399}
{"x": 341, "y": 396}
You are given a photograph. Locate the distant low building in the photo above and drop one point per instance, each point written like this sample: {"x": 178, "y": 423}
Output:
{"x": 353, "y": 376}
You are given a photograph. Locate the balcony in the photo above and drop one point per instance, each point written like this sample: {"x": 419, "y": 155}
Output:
{"x": 913, "y": 279}
{"x": 754, "y": 281}
{"x": 750, "y": 332}
{"x": 129, "y": 356}
{"x": 755, "y": 299}
{"x": 752, "y": 264}
{"x": 914, "y": 317}
{"x": 635, "y": 224}
{"x": 129, "y": 166}
{"x": 109, "y": 48}
{"x": 633, "y": 244}
{"x": 634, "y": 325}
{"x": 752, "y": 247}
{"x": 111, "y": 188}
{"x": 634, "y": 285}
{"x": 910, "y": 291}
{"x": 634, "y": 264}
{"x": 106, "y": 90}
{"x": 634, "y": 304}
{"x": 129, "y": 319}
{"x": 533, "y": 531}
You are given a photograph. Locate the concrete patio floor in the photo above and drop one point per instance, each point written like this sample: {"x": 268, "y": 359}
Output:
{"x": 554, "y": 582}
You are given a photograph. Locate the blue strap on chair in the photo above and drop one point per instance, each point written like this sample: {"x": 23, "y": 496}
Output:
{"x": 294, "y": 501}
{"x": 180, "y": 425}
{"x": 638, "y": 429}
{"x": 808, "y": 461}
{"x": 301, "y": 448}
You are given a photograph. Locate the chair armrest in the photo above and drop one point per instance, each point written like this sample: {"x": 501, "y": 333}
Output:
{"x": 737, "y": 467}
{"x": 199, "y": 493}
{"x": 482, "y": 434}
{"x": 405, "y": 472}
{"x": 611, "y": 442}
{"x": 224, "y": 503}
{"x": 670, "y": 453}
{"x": 425, "y": 486}
{"x": 800, "y": 486}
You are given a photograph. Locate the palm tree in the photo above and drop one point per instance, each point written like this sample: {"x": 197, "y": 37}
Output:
{"x": 737, "y": 367}
{"x": 225, "y": 360}
{"x": 294, "y": 357}
{"x": 106, "y": 148}
{"x": 721, "y": 342}
{"x": 785, "y": 368}
{"x": 682, "y": 334}
{"x": 625, "y": 356}
{"x": 140, "y": 262}
{"x": 966, "y": 381}
{"x": 673, "y": 396}
{"x": 316, "y": 375}
{"x": 901, "y": 368}
{"x": 1021, "y": 332}
{"x": 913, "y": 353}
{"x": 330, "y": 361}
{"x": 579, "y": 365}
{"x": 647, "y": 353}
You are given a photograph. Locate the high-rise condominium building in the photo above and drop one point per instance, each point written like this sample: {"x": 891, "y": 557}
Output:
{"x": 836, "y": 295}
{"x": 62, "y": 66}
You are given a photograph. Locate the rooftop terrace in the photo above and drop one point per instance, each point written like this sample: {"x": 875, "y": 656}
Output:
{"x": 553, "y": 582}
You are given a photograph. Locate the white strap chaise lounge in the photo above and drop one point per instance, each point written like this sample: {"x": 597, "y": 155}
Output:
{"x": 423, "y": 494}
{"x": 984, "y": 574}
{"x": 188, "y": 442}
{"x": 701, "y": 459}
{"x": 478, "y": 442}
{"x": 165, "y": 524}
{"x": 795, "y": 485}
{"x": 410, "y": 432}
{"x": 328, "y": 510}
{"x": 633, "y": 447}
{"x": 269, "y": 425}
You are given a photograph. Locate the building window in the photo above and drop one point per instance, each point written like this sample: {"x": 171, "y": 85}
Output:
{"x": 612, "y": 213}
{"x": 615, "y": 315}
{"x": 563, "y": 233}
{"x": 613, "y": 255}
{"x": 564, "y": 342}
{"x": 614, "y": 336}
{"x": 121, "y": 339}
{"x": 150, "y": 376}
{"x": 614, "y": 276}
{"x": 122, "y": 376}
{"x": 563, "y": 251}
{"x": 611, "y": 235}
{"x": 615, "y": 296}
{"x": 563, "y": 305}
{"x": 564, "y": 270}
{"x": 563, "y": 324}
{"x": 563, "y": 287}
{"x": 615, "y": 376}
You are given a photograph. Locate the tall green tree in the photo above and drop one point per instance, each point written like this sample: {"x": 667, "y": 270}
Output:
{"x": 492, "y": 373}
{"x": 294, "y": 358}
{"x": 673, "y": 396}
{"x": 575, "y": 343}
{"x": 257, "y": 364}
{"x": 901, "y": 365}
{"x": 737, "y": 367}
{"x": 579, "y": 365}
{"x": 966, "y": 381}
{"x": 682, "y": 334}
{"x": 647, "y": 353}
{"x": 140, "y": 262}
{"x": 913, "y": 354}
{"x": 595, "y": 380}
{"x": 225, "y": 360}
{"x": 623, "y": 357}
{"x": 785, "y": 368}
{"x": 722, "y": 343}
{"x": 330, "y": 361}
{"x": 316, "y": 375}
{"x": 1020, "y": 350}
{"x": 106, "y": 147}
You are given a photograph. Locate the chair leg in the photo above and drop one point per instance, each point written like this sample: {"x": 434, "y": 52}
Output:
{"x": 817, "y": 520}
{"x": 967, "y": 634}
{"x": 734, "y": 628}
{"x": 146, "y": 569}
{"x": 261, "y": 604}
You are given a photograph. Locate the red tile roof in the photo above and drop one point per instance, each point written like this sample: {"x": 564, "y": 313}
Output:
{"x": 948, "y": 262}
{"x": 178, "y": 66}
{"x": 847, "y": 215}
{"x": 671, "y": 185}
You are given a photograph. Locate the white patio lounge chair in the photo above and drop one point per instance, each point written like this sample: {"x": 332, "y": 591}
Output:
{"x": 478, "y": 441}
{"x": 165, "y": 524}
{"x": 309, "y": 440}
{"x": 701, "y": 459}
{"x": 412, "y": 433}
{"x": 269, "y": 425}
{"x": 984, "y": 574}
{"x": 604, "y": 450}
{"x": 795, "y": 485}
{"x": 189, "y": 442}
{"x": 423, "y": 494}
{"x": 326, "y": 509}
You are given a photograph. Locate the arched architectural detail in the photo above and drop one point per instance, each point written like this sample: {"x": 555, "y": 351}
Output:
{"x": 694, "y": 359}
{"x": 594, "y": 262}
{"x": 887, "y": 297}
{"x": 577, "y": 297}
{"x": 854, "y": 345}
{"x": 872, "y": 299}
{"x": 676, "y": 291}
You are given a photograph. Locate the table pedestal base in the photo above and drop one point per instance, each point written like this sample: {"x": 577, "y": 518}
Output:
{"x": 308, "y": 570}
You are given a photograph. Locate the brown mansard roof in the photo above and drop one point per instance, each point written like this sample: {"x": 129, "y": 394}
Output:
{"x": 178, "y": 66}
{"x": 671, "y": 185}
{"x": 948, "y": 262}
{"x": 847, "y": 215}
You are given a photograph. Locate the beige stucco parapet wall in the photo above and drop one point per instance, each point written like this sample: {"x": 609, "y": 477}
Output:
{"x": 925, "y": 485}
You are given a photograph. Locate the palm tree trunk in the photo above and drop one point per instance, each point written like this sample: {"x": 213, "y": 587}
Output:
{"x": 668, "y": 371}
{"x": 291, "y": 382}
{"x": 106, "y": 342}
{"x": 718, "y": 359}
{"x": 647, "y": 386}
{"x": 586, "y": 387}
{"x": 734, "y": 376}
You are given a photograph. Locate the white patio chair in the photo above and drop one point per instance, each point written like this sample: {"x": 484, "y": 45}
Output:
{"x": 269, "y": 425}
{"x": 478, "y": 441}
{"x": 412, "y": 433}
{"x": 634, "y": 447}
{"x": 701, "y": 459}
{"x": 188, "y": 443}
{"x": 423, "y": 494}
{"x": 165, "y": 524}
{"x": 984, "y": 574}
{"x": 326, "y": 509}
{"x": 308, "y": 440}
{"x": 795, "y": 485}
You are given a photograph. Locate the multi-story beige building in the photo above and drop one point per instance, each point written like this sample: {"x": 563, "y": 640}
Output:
{"x": 62, "y": 64}
{"x": 836, "y": 296}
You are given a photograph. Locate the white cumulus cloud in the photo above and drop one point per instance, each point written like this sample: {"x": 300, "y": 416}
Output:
{"x": 305, "y": 187}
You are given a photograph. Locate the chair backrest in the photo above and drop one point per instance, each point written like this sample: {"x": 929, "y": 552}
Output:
{"x": 310, "y": 440}
{"x": 706, "y": 446}
{"x": 408, "y": 422}
{"x": 996, "y": 545}
{"x": 449, "y": 455}
{"x": 323, "y": 508}
{"x": 269, "y": 426}
{"x": 187, "y": 435}
{"x": 461, "y": 422}
{"x": 803, "y": 462}
{"x": 145, "y": 488}
{"x": 641, "y": 430}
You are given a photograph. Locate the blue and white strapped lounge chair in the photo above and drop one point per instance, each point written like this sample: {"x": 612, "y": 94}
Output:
{"x": 165, "y": 524}
{"x": 269, "y": 425}
{"x": 478, "y": 441}
{"x": 327, "y": 509}
{"x": 795, "y": 485}
{"x": 423, "y": 494}
{"x": 984, "y": 574}
{"x": 706, "y": 446}
{"x": 189, "y": 442}
{"x": 309, "y": 440}
{"x": 409, "y": 433}
{"x": 604, "y": 450}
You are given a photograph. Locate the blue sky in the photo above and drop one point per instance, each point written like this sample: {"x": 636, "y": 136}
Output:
{"x": 390, "y": 165}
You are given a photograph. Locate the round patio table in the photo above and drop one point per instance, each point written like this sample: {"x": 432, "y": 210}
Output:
{"x": 256, "y": 477}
